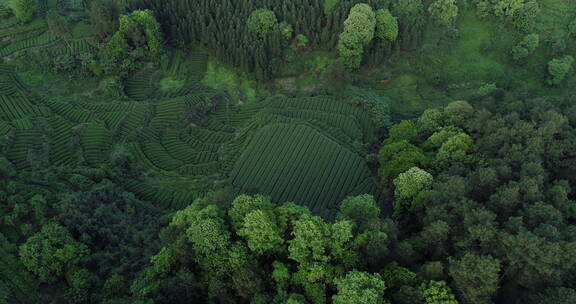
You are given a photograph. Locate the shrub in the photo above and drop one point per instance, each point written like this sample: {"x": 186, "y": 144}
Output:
{"x": 5, "y": 11}
{"x": 572, "y": 28}
{"x": 386, "y": 25}
{"x": 444, "y": 11}
{"x": 301, "y": 41}
{"x": 24, "y": 10}
{"x": 559, "y": 68}
{"x": 286, "y": 30}
{"x": 487, "y": 89}
{"x": 525, "y": 47}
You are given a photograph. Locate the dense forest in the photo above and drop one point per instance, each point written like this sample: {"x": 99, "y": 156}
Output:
{"x": 290, "y": 152}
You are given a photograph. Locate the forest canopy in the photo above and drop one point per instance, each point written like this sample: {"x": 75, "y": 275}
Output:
{"x": 290, "y": 152}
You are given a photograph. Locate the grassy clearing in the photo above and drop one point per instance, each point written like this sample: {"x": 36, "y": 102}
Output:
{"x": 298, "y": 64}
{"x": 483, "y": 54}
{"x": 81, "y": 30}
{"x": 446, "y": 70}
{"x": 59, "y": 86}
{"x": 171, "y": 83}
{"x": 554, "y": 17}
{"x": 406, "y": 93}
{"x": 237, "y": 85}
{"x": 303, "y": 72}
{"x": 315, "y": 66}
{"x": 475, "y": 33}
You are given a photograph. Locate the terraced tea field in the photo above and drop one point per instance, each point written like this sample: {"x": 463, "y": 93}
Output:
{"x": 186, "y": 137}
{"x": 294, "y": 162}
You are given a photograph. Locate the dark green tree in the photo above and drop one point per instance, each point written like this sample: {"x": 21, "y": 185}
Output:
{"x": 475, "y": 277}
{"x": 405, "y": 130}
{"x": 525, "y": 47}
{"x": 362, "y": 210}
{"x": 398, "y": 157}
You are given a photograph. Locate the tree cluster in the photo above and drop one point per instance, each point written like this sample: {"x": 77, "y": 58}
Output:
{"x": 525, "y": 47}
{"x": 360, "y": 27}
{"x": 485, "y": 198}
{"x": 71, "y": 235}
{"x": 138, "y": 35}
{"x": 246, "y": 34}
{"x": 520, "y": 13}
{"x": 258, "y": 252}
{"x": 222, "y": 28}
{"x": 358, "y": 32}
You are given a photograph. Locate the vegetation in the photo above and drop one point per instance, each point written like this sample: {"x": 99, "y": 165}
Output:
{"x": 104, "y": 15}
{"x": 303, "y": 151}
{"x": 261, "y": 21}
{"x": 386, "y": 25}
{"x": 444, "y": 11}
{"x": 23, "y": 10}
{"x": 358, "y": 32}
{"x": 138, "y": 35}
{"x": 558, "y": 68}
{"x": 527, "y": 46}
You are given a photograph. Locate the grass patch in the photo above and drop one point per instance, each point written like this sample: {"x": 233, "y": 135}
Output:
{"x": 555, "y": 16}
{"x": 452, "y": 69}
{"x": 56, "y": 85}
{"x": 406, "y": 93}
{"x": 303, "y": 72}
{"x": 81, "y": 30}
{"x": 169, "y": 83}
{"x": 52, "y": 4}
{"x": 299, "y": 64}
{"x": 329, "y": 5}
{"x": 439, "y": 73}
{"x": 237, "y": 85}
{"x": 483, "y": 53}
{"x": 474, "y": 33}
{"x": 316, "y": 64}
